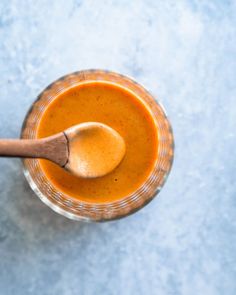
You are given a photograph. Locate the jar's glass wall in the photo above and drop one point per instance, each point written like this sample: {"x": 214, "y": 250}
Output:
{"x": 98, "y": 212}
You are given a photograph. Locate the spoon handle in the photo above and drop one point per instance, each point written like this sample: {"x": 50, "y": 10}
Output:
{"x": 53, "y": 148}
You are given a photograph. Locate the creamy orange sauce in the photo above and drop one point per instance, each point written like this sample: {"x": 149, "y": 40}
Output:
{"x": 121, "y": 110}
{"x": 95, "y": 149}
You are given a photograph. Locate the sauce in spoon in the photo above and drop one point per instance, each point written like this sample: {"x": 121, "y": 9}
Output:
{"x": 95, "y": 149}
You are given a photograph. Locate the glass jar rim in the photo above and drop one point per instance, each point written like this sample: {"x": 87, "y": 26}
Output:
{"x": 81, "y": 210}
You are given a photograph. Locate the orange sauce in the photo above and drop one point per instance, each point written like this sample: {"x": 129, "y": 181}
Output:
{"x": 118, "y": 108}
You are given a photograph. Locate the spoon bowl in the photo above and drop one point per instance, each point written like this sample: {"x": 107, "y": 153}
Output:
{"x": 95, "y": 149}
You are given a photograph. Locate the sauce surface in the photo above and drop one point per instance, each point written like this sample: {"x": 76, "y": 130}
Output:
{"x": 121, "y": 110}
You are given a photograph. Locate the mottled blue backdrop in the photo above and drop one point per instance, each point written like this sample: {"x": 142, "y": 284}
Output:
{"x": 184, "y": 242}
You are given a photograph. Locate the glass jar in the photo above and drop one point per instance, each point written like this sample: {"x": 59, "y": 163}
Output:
{"x": 80, "y": 210}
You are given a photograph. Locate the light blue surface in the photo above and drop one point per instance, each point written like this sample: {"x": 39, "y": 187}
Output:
{"x": 184, "y": 242}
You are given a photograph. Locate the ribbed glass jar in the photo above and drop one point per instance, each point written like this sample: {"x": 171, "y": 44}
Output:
{"x": 80, "y": 210}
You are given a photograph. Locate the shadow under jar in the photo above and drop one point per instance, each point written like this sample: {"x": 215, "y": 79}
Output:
{"x": 79, "y": 199}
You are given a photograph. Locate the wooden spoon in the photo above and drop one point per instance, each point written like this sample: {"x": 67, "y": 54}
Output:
{"x": 87, "y": 150}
